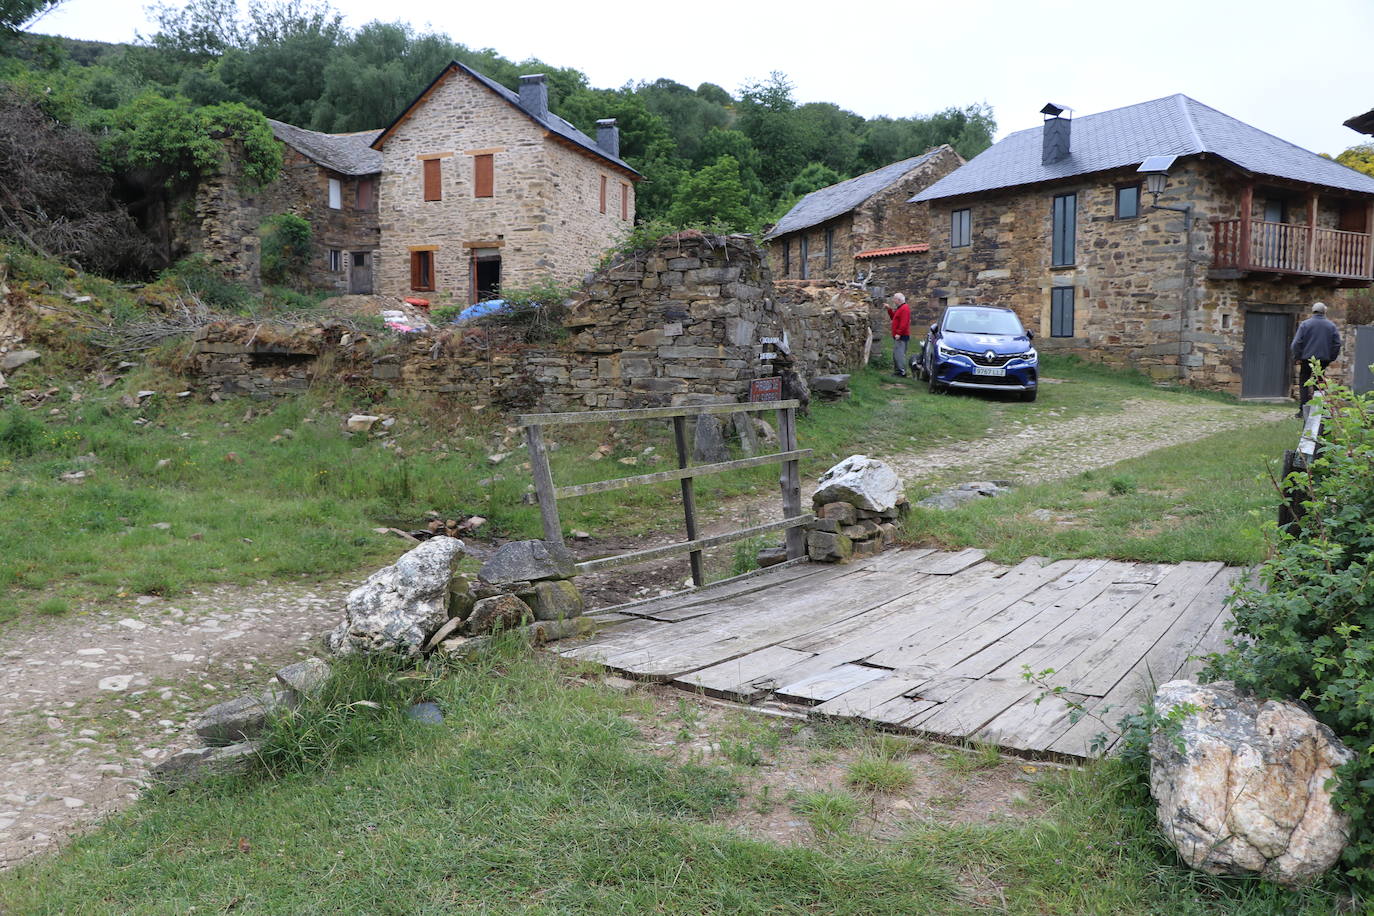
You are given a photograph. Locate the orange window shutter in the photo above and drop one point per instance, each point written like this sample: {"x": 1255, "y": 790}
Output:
{"x": 415, "y": 270}
{"x": 624, "y": 201}
{"x": 484, "y": 175}
{"x": 433, "y": 179}
{"x": 603, "y": 193}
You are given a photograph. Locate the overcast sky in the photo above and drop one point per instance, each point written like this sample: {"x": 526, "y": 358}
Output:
{"x": 1295, "y": 69}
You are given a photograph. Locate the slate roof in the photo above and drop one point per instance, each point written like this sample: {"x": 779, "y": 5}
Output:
{"x": 549, "y": 121}
{"x": 347, "y": 154}
{"x": 1174, "y": 126}
{"x": 838, "y": 199}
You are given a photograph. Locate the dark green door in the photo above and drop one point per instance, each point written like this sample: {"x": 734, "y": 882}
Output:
{"x": 1264, "y": 365}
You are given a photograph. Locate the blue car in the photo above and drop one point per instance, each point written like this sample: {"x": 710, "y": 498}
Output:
{"x": 979, "y": 347}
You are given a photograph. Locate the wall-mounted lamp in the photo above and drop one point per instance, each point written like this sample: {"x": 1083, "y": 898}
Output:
{"x": 1156, "y": 172}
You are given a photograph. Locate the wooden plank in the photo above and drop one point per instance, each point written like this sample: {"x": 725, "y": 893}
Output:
{"x": 668, "y": 550}
{"x": 1098, "y": 669}
{"x": 649, "y": 413}
{"x": 925, "y": 648}
{"x": 689, "y": 500}
{"x": 900, "y": 711}
{"x": 829, "y": 684}
{"x": 722, "y": 589}
{"x": 790, "y": 481}
{"x": 603, "y": 644}
{"x": 1023, "y": 725}
{"x": 1052, "y": 609}
{"x": 543, "y": 485}
{"x": 700, "y": 470}
{"x": 947, "y": 564}
{"x": 962, "y": 715}
{"x": 859, "y": 701}
{"x": 737, "y": 679}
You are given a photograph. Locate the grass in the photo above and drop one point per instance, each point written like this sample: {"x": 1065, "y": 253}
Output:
{"x": 879, "y": 774}
{"x": 536, "y": 795}
{"x": 1201, "y": 501}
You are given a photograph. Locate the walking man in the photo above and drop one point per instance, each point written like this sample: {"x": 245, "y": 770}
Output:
{"x": 901, "y": 332}
{"x": 1318, "y": 339}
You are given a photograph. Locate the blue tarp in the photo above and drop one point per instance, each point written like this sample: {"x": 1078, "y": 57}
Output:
{"x": 480, "y": 309}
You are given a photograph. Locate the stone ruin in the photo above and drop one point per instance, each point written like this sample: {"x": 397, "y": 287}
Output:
{"x": 684, "y": 319}
{"x": 858, "y": 504}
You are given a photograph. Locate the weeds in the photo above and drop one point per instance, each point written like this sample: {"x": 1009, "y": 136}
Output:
{"x": 879, "y": 774}
{"x": 828, "y": 813}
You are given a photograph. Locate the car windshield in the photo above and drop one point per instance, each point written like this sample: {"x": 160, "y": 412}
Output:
{"x": 982, "y": 321}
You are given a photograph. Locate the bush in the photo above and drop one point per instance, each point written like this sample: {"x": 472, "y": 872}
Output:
{"x": 285, "y": 249}
{"x": 1307, "y": 629}
{"x": 199, "y": 275}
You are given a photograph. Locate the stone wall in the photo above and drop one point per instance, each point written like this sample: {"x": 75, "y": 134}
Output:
{"x": 543, "y": 219}
{"x": 683, "y": 320}
{"x": 883, "y": 220}
{"x": 223, "y": 214}
{"x": 1129, "y": 275}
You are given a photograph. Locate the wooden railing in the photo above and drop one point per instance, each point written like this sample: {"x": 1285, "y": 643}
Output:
{"x": 548, "y": 494}
{"x": 1256, "y": 244}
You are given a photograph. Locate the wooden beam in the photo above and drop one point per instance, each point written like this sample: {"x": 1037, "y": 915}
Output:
{"x": 689, "y": 500}
{"x": 701, "y": 470}
{"x": 1247, "y": 205}
{"x": 790, "y": 481}
{"x": 1311, "y": 261}
{"x": 668, "y": 550}
{"x": 543, "y": 485}
{"x": 649, "y": 413}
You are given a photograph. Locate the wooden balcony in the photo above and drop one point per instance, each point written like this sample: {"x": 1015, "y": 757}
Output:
{"x": 1244, "y": 245}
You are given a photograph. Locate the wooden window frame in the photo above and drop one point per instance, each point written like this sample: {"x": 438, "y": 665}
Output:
{"x": 603, "y": 193}
{"x": 1058, "y": 307}
{"x": 625, "y": 200}
{"x": 803, "y": 254}
{"x": 1064, "y": 230}
{"x": 961, "y": 228}
{"x": 420, "y": 258}
{"x": 366, "y": 196}
{"x": 1116, "y": 199}
{"x": 829, "y": 247}
{"x": 335, "y": 260}
{"x": 333, "y": 194}
{"x": 484, "y": 175}
{"x": 433, "y": 179}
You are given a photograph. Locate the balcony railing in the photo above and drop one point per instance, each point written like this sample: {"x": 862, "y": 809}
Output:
{"x": 1291, "y": 248}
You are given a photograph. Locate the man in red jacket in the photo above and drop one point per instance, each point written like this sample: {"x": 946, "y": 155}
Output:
{"x": 901, "y": 332}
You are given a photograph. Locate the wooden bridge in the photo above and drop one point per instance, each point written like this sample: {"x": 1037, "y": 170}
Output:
{"x": 933, "y": 643}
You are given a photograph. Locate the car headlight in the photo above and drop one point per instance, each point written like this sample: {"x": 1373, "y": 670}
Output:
{"x": 944, "y": 350}
{"x": 1030, "y": 354}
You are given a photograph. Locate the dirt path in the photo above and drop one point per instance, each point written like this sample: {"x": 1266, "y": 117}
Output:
{"x": 90, "y": 700}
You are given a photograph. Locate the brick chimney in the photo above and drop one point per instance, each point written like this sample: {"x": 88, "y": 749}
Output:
{"x": 608, "y": 137}
{"x": 534, "y": 95}
{"x": 1056, "y": 135}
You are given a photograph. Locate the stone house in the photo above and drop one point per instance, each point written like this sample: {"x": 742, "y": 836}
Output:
{"x": 330, "y": 180}
{"x": 482, "y": 188}
{"x": 1206, "y": 287}
{"x": 820, "y": 237}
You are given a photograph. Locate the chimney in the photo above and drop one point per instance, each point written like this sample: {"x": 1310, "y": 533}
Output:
{"x": 1055, "y": 139}
{"x": 608, "y": 137}
{"x": 534, "y": 95}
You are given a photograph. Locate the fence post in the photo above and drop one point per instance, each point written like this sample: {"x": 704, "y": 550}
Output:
{"x": 790, "y": 482}
{"x": 543, "y": 485}
{"x": 689, "y": 499}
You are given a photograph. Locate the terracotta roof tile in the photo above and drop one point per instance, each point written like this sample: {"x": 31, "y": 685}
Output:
{"x": 900, "y": 249}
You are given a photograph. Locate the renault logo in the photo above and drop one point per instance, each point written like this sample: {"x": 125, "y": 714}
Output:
{"x": 989, "y": 355}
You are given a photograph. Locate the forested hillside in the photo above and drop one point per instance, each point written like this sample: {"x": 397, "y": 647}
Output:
{"x": 129, "y": 120}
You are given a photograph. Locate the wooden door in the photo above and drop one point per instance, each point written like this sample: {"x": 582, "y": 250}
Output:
{"x": 360, "y": 274}
{"x": 1265, "y": 372}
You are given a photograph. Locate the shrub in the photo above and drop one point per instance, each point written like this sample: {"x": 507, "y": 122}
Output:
{"x": 536, "y": 311}
{"x": 20, "y": 434}
{"x": 199, "y": 275}
{"x": 1306, "y": 630}
{"x": 285, "y": 249}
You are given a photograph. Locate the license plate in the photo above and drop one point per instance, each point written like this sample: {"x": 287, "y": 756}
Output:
{"x": 999, "y": 372}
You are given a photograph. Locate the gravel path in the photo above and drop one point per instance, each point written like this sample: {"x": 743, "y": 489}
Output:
{"x": 89, "y": 701}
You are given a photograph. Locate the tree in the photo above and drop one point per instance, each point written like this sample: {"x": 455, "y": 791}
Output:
{"x": 16, "y": 14}
{"x": 713, "y": 197}
{"x": 766, "y": 117}
{"x": 1360, "y": 158}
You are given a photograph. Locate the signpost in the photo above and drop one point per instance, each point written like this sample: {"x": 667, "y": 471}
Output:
{"x": 766, "y": 389}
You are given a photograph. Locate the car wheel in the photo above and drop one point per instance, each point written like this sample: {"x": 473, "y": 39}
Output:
{"x": 935, "y": 386}
{"x": 1030, "y": 395}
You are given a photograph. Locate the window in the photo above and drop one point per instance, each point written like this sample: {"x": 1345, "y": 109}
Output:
{"x": 624, "y": 200}
{"x": 1128, "y": 202}
{"x": 335, "y": 260}
{"x": 787, "y": 257}
{"x": 1065, "y": 217}
{"x": 434, "y": 186}
{"x": 829, "y": 248}
{"x": 805, "y": 268}
{"x": 422, "y": 268}
{"x": 960, "y": 229}
{"x": 367, "y": 198}
{"x": 1061, "y": 311}
{"x": 484, "y": 175}
{"x": 335, "y": 194}
{"x": 603, "y": 193}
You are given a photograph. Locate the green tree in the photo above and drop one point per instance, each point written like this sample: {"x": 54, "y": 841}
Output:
{"x": 1360, "y": 158}
{"x": 688, "y": 115}
{"x": 713, "y": 197}
{"x": 16, "y": 14}
{"x": 766, "y": 116}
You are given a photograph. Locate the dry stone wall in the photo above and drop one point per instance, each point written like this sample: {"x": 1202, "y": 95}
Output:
{"x": 684, "y": 320}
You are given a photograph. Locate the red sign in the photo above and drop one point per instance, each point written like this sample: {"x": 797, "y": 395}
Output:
{"x": 766, "y": 389}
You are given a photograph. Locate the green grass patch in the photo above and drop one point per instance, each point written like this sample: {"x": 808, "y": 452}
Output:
{"x": 879, "y": 774}
{"x": 1200, "y": 501}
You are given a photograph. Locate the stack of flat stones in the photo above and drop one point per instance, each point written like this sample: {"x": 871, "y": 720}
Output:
{"x": 858, "y": 504}
{"x": 230, "y": 730}
{"x": 522, "y": 584}
{"x": 830, "y": 387}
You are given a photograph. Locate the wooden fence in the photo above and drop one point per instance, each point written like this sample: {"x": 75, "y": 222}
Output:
{"x": 548, "y": 493}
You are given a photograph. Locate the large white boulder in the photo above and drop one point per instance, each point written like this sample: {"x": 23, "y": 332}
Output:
{"x": 1241, "y": 788}
{"x": 399, "y": 606}
{"x": 861, "y": 481}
